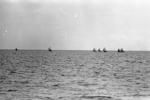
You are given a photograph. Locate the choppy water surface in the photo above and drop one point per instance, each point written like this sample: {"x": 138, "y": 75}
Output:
{"x": 74, "y": 75}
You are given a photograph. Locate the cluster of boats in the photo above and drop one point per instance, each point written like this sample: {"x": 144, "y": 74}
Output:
{"x": 120, "y": 50}
{"x": 104, "y": 50}
{"x": 99, "y": 50}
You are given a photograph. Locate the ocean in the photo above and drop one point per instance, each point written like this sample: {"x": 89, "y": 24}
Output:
{"x": 74, "y": 75}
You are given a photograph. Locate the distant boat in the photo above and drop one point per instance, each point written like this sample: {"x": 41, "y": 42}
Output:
{"x": 49, "y": 49}
{"x": 99, "y": 50}
{"x": 94, "y": 50}
{"x": 122, "y": 50}
{"x": 104, "y": 50}
{"x": 16, "y": 49}
{"x": 119, "y": 50}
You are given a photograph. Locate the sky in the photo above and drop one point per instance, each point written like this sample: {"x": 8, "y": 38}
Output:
{"x": 75, "y": 24}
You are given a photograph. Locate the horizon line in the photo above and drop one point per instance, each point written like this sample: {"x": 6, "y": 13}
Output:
{"x": 74, "y": 49}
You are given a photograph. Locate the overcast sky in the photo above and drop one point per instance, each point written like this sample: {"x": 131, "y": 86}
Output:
{"x": 75, "y": 24}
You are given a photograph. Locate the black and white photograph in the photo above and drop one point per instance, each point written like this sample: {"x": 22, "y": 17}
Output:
{"x": 74, "y": 50}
